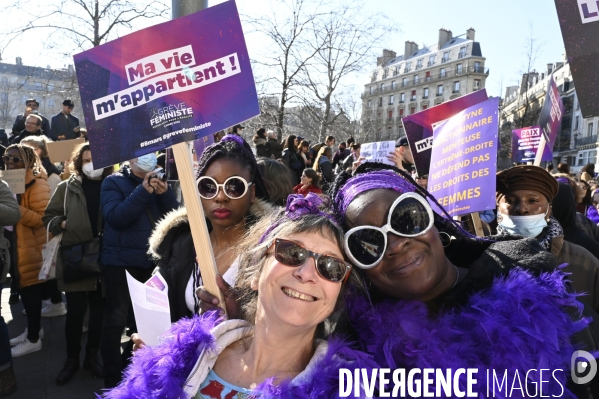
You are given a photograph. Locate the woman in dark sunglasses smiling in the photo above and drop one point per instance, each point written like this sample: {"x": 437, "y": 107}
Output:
{"x": 441, "y": 298}
{"x": 292, "y": 276}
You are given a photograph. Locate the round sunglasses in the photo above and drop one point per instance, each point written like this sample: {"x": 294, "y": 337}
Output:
{"x": 234, "y": 187}
{"x": 328, "y": 267}
{"x": 410, "y": 216}
{"x": 7, "y": 158}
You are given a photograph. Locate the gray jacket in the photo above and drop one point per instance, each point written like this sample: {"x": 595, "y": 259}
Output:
{"x": 10, "y": 213}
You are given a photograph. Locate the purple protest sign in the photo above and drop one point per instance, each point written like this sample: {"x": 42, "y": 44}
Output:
{"x": 550, "y": 118}
{"x": 419, "y": 127}
{"x": 525, "y": 143}
{"x": 173, "y": 82}
{"x": 464, "y": 159}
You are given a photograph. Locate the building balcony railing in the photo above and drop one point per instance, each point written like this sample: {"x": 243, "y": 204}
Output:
{"x": 461, "y": 55}
{"x": 439, "y": 95}
{"x": 413, "y": 98}
{"x": 427, "y": 78}
{"x": 444, "y": 60}
{"x": 401, "y": 101}
{"x": 399, "y": 118}
{"x": 430, "y": 63}
{"x": 424, "y": 97}
{"x": 455, "y": 91}
{"x": 580, "y": 141}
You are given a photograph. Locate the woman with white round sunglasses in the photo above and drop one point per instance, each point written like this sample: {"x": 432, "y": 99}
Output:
{"x": 441, "y": 298}
{"x": 292, "y": 277}
{"x": 234, "y": 197}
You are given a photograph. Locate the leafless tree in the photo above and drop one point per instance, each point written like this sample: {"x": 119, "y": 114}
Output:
{"x": 83, "y": 23}
{"x": 286, "y": 50}
{"x": 528, "y": 108}
{"x": 345, "y": 41}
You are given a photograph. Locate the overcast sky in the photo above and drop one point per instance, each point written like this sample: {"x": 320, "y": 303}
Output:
{"x": 502, "y": 28}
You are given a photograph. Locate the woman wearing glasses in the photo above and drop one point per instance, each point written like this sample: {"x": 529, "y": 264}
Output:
{"x": 292, "y": 275}
{"x": 30, "y": 236}
{"x": 441, "y": 298}
{"x": 233, "y": 196}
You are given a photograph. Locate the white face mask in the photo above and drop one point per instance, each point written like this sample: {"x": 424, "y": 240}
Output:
{"x": 527, "y": 226}
{"x": 90, "y": 172}
{"x": 147, "y": 163}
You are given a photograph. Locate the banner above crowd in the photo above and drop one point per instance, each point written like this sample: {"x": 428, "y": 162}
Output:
{"x": 579, "y": 22}
{"x": 464, "y": 159}
{"x": 525, "y": 145}
{"x": 173, "y": 82}
{"x": 419, "y": 127}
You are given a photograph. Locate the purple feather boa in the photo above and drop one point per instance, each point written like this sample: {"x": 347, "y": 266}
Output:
{"x": 518, "y": 323}
{"x": 161, "y": 371}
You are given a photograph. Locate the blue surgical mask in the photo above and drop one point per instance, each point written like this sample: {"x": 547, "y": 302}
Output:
{"x": 527, "y": 226}
{"x": 147, "y": 162}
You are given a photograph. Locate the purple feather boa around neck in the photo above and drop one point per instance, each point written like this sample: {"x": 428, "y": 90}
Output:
{"x": 161, "y": 371}
{"x": 519, "y": 323}
{"x": 592, "y": 214}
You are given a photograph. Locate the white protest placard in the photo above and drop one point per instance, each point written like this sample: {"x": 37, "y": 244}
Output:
{"x": 377, "y": 152}
{"x": 151, "y": 309}
{"x": 15, "y": 179}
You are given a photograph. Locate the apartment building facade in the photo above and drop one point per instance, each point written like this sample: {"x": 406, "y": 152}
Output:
{"x": 419, "y": 79}
{"x": 50, "y": 87}
{"x": 577, "y": 141}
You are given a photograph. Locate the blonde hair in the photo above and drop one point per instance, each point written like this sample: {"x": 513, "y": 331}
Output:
{"x": 321, "y": 153}
{"x": 38, "y": 142}
{"x": 29, "y": 157}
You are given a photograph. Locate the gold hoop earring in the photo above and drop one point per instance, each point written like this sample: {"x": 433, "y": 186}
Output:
{"x": 445, "y": 240}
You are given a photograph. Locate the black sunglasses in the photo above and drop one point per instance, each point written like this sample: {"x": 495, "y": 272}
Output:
{"x": 409, "y": 216}
{"x": 7, "y": 158}
{"x": 328, "y": 267}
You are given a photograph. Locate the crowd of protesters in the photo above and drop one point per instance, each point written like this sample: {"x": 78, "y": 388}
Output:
{"x": 312, "y": 243}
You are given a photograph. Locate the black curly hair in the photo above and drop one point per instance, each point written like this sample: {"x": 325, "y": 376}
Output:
{"x": 231, "y": 148}
{"x": 464, "y": 248}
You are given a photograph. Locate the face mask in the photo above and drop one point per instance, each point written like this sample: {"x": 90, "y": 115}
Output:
{"x": 90, "y": 172}
{"x": 147, "y": 163}
{"x": 527, "y": 226}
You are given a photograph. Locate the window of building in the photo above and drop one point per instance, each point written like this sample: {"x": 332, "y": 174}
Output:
{"x": 442, "y": 73}
{"x": 408, "y": 67}
{"x": 385, "y": 73}
{"x": 476, "y": 84}
{"x": 396, "y": 71}
{"x": 402, "y": 97}
{"x": 371, "y": 89}
{"x": 585, "y": 157}
{"x": 576, "y": 122}
{"x": 415, "y": 79}
{"x": 412, "y": 110}
{"x": 458, "y": 68}
{"x": 456, "y": 87}
{"x": 401, "y": 112}
{"x": 427, "y": 77}
{"x": 382, "y": 87}
{"x": 389, "y": 132}
{"x": 419, "y": 63}
{"x": 404, "y": 81}
{"x": 38, "y": 85}
{"x": 425, "y": 93}
{"x": 424, "y": 107}
{"x": 391, "y": 99}
{"x": 590, "y": 129}
{"x": 477, "y": 66}
{"x": 393, "y": 85}
{"x": 413, "y": 98}
{"x": 462, "y": 52}
{"x": 390, "y": 115}
{"x": 445, "y": 56}
{"x": 400, "y": 131}
{"x": 369, "y": 103}
{"x": 440, "y": 90}
{"x": 380, "y": 101}
{"x": 431, "y": 60}
{"x": 4, "y": 80}
{"x": 3, "y": 97}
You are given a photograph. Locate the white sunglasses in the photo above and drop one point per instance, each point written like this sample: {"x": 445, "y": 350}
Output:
{"x": 410, "y": 216}
{"x": 234, "y": 187}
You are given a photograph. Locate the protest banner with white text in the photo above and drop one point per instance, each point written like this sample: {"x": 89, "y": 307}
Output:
{"x": 173, "y": 82}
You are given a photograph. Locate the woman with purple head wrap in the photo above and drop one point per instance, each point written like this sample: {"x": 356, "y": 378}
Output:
{"x": 440, "y": 298}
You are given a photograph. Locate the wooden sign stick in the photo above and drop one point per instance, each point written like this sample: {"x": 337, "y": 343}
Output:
{"x": 478, "y": 227}
{"x": 541, "y": 149}
{"x": 197, "y": 221}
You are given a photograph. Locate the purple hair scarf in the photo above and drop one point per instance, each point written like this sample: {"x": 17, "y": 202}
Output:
{"x": 385, "y": 179}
